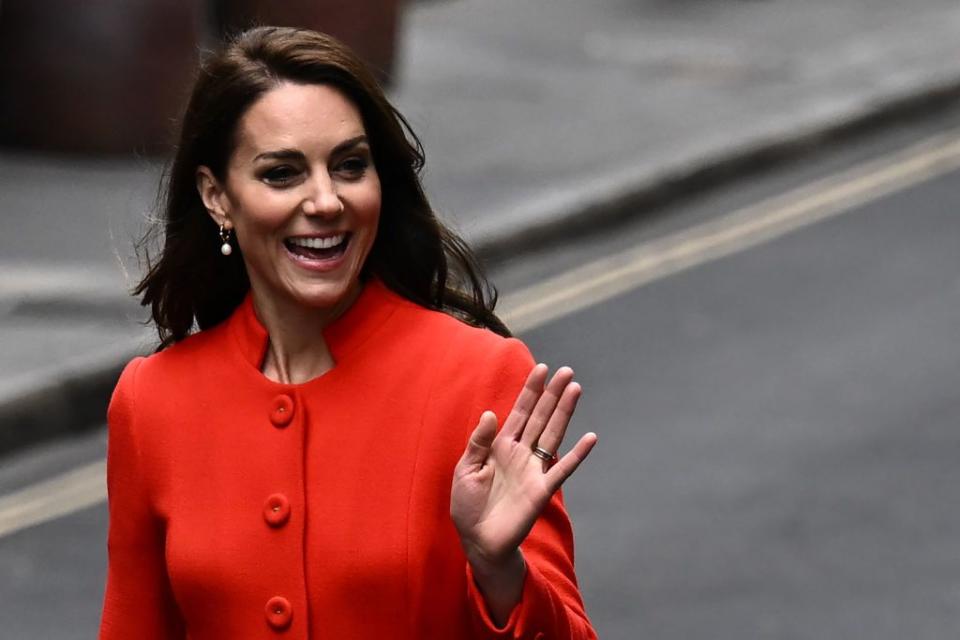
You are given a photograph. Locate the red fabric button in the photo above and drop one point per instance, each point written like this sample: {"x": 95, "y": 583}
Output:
{"x": 279, "y": 613}
{"x": 277, "y": 510}
{"x": 281, "y": 411}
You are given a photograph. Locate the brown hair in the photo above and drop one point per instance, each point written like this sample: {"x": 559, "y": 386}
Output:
{"x": 191, "y": 285}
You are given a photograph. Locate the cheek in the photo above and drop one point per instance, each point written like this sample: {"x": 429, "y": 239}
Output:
{"x": 371, "y": 211}
{"x": 367, "y": 203}
{"x": 259, "y": 213}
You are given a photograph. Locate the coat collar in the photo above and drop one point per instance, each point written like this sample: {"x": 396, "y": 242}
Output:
{"x": 375, "y": 304}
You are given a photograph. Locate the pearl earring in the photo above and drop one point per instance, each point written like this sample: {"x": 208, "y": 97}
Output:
{"x": 225, "y": 248}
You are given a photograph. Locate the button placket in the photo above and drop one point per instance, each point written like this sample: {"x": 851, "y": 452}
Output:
{"x": 276, "y": 512}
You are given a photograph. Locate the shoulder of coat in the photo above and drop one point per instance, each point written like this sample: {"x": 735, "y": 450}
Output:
{"x": 461, "y": 342}
{"x": 209, "y": 345}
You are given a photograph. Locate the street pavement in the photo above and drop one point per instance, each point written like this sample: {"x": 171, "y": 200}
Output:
{"x": 777, "y": 453}
{"x": 532, "y": 111}
{"x": 778, "y": 442}
{"x": 540, "y": 115}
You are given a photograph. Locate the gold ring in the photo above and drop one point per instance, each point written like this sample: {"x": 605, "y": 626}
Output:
{"x": 544, "y": 455}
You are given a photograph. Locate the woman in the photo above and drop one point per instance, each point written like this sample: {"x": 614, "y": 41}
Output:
{"x": 297, "y": 458}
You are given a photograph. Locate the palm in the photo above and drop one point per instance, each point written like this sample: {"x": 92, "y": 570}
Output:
{"x": 500, "y": 487}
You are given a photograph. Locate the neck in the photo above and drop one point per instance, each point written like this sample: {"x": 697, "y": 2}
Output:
{"x": 296, "y": 350}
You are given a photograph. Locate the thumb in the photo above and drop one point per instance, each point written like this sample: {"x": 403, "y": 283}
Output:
{"x": 478, "y": 448}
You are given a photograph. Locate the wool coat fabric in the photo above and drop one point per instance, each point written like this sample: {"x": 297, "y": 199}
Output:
{"x": 246, "y": 508}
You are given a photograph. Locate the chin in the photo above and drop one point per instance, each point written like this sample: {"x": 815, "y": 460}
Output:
{"x": 325, "y": 295}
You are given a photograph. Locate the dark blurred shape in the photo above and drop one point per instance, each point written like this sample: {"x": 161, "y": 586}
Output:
{"x": 100, "y": 76}
{"x": 112, "y": 76}
{"x": 368, "y": 27}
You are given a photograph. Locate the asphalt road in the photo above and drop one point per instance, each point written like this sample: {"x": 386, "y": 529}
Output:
{"x": 778, "y": 437}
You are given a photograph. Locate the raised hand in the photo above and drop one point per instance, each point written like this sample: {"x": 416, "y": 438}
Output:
{"x": 500, "y": 485}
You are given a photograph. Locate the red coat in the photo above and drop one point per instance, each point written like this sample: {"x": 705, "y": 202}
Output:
{"x": 245, "y": 508}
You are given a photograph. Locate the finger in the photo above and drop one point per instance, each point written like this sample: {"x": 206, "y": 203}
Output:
{"x": 566, "y": 465}
{"x": 552, "y": 436}
{"x": 545, "y": 406}
{"x": 526, "y": 401}
{"x": 478, "y": 447}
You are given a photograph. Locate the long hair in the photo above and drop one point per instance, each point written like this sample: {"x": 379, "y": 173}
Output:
{"x": 192, "y": 286}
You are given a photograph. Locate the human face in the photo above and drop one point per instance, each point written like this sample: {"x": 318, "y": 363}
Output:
{"x": 302, "y": 195}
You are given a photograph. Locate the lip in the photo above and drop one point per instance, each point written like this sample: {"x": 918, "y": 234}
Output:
{"x": 322, "y": 236}
{"x": 330, "y": 264}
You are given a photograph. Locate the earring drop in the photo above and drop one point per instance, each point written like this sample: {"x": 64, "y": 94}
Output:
{"x": 225, "y": 248}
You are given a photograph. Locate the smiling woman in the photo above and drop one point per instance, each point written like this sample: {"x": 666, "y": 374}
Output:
{"x": 302, "y": 194}
{"x": 314, "y": 450}
{"x": 230, "y": 112}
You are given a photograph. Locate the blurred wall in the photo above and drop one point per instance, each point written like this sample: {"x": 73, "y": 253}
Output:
{"x": 112, "y": 76}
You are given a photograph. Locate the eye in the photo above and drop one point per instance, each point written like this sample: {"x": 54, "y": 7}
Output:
{"x": 281, "y": 175}
{"x": 353, "y": 167}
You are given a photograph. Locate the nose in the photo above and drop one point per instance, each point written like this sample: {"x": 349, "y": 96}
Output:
{"x": 322, "y": 199}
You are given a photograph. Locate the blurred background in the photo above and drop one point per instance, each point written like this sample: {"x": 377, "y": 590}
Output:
{"x": 736, "y": 219}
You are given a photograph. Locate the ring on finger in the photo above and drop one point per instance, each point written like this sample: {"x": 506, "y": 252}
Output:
{"x": 544, "y": 455}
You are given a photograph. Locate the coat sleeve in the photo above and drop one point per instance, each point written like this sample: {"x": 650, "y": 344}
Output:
{"x": 138, "y": 602}
{"x": 550, "y": 605}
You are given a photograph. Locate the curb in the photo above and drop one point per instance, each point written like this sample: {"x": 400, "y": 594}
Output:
{"x": 61, "y": 400}
{"x": 603, "y": 204}
{"x": 74, "y": 397}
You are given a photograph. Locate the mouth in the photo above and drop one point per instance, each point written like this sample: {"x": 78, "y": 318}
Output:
{"x": 318, "y": 249}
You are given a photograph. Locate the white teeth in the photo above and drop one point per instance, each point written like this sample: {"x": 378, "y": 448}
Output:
{"x": 318, "y": 243}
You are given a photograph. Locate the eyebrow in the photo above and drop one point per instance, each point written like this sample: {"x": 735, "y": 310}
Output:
{"x": 294, "y": 154}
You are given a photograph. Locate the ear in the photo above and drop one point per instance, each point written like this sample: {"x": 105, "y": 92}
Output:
{"x": 214, "y": 197}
